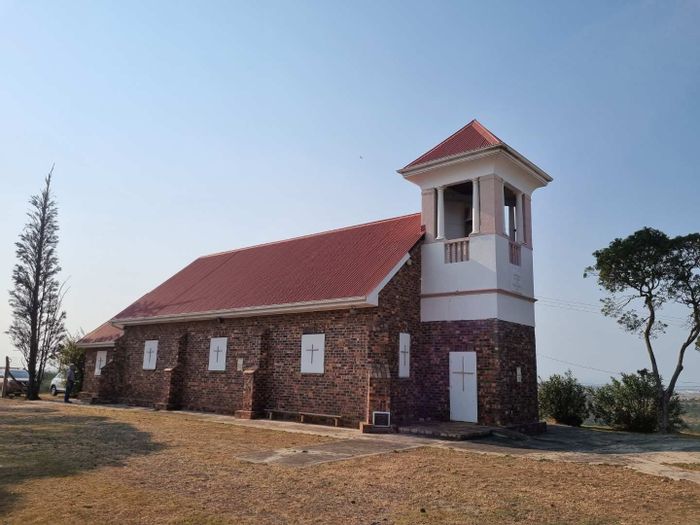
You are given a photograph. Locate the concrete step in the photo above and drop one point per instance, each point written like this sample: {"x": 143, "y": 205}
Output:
{"x": 451, "y": 430}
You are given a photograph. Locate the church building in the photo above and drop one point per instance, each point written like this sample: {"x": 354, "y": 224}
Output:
{"x": 428, "y": 316}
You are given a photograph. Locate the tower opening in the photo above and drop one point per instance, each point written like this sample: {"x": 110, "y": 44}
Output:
{"x": 458, "y": 210}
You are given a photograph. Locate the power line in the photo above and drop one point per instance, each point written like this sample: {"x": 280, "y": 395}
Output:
{"x": 579, "y": 365}
{"x": 596, "y": 308}
{"x": 691, "y": 383}
{"x": 578, "y": 306}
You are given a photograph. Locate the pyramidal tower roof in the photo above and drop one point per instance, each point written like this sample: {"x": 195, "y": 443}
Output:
{"x": 472, "y": 137}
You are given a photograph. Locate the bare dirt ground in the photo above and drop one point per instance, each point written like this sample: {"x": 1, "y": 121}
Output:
{"x": 85, "y": 464}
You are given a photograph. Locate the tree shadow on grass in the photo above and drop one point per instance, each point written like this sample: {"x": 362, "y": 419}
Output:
{"x": 41, "y": 442}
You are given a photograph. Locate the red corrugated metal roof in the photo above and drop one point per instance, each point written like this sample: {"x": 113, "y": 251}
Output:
{"x": 344, "y": 263}
{"x": 105, "y": 333}
{"x": 474, "y": 136}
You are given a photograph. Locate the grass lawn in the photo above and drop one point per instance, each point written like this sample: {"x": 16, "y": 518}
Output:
{"x": 73, "y": 464}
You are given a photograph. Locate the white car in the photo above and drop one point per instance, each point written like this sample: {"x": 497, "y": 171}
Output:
{"x": 58, "y": 384}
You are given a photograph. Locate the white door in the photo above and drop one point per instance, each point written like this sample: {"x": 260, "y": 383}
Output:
{"x": 463, "y": 401}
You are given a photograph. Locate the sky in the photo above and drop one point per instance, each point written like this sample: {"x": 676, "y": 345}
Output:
{"x": 185, "y": 128}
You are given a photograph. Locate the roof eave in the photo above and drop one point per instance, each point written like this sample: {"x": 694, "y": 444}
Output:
{"x": 409, "y": 170}
{"x": 253, "y": 311}
{"x": 100, "y": 344}
{"x": 520, "y": 159}
{"x": 529, "y": 165}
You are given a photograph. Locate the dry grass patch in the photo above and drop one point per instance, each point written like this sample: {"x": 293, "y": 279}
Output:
{"x": 685, "y": 466}
{"x": 136, "y": 466}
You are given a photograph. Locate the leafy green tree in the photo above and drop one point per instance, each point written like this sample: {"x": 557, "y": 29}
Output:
{"x": 563, "y": 399}
{"x": 70, "y": 353}
{"x": 631, "y": 404}
{"x": 643, "y": 273}
{"x": 36, "y": 299}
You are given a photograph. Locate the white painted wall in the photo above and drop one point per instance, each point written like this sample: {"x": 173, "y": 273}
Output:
{"x": 478, "y": 306}
{"x": 459, "y": 307}
{"x": 488, "y": 268}
{"x": 478, "y": 273}
{"x": 516, "y": 310}
{"x": 518, "y": 279}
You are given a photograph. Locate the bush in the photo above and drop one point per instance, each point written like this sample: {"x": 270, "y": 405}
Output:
{"x": 69, "y": 353}
{"x": 46, "y": 381}
{"x": 563, "y": 399}
{"x": 631, "y": 404}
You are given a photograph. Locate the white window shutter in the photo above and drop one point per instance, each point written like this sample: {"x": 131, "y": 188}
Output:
{"x": 100, "y": 361}
{"x": 150, "y": 355}
{"x": 404, "y": 355}
{"x": 313, "y": 349}
{"x": 217, "y": 353}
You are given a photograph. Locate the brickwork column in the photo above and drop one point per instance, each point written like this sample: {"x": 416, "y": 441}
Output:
{"x": 249, "y": 394}
{"x": 378, "y": 390}
{"x": 255, "y": 378}
{"x": 174, "y": 378}
{"x": 491, "y": 204}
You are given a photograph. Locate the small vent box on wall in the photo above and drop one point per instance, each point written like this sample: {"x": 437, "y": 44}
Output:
{"x": 381, "y": 419}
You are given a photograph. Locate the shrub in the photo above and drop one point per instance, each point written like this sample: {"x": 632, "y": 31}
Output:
{"x": 69, "y": 353}
{"x": 563, "y": 399}
{"x": 46, "y": 381}
{"x": 631, "y": 403}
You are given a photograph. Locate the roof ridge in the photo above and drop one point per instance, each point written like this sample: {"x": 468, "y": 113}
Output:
{"x": 441, "y": 143}
{"x": 483, "y": 130}
{"x": 474, "y": 124}
{"x": 308, "y": 235}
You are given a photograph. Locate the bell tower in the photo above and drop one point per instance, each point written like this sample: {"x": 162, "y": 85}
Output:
{"x": 477, "y": 302}
{"x": 476, "y": 209}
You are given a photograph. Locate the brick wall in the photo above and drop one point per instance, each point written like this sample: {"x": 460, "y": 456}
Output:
{"x": 91, "y": 382}
{"x": 500, "y": 347}
{"x": 90, "y": 379}
{"x": 271, "y": 344}
{"x": 398, "y": 311}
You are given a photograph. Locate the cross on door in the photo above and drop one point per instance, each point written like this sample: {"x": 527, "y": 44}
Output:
{"x": 463, "y": 373}
{"x": 312, "y": 350}
{"x": 404, "y": 353}
{"x": 217, "y": 352}
{"x": 150, "y": 353}
{"x": 100, "y": 362}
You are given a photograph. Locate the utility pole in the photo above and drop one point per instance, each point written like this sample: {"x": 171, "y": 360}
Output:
{"x": 5, "y": 377}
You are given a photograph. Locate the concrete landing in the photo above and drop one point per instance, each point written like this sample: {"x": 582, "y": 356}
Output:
{"x": 452, "y": 430}
{"x": 325, "y": 452}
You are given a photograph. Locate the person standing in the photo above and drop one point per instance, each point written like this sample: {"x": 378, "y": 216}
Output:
{"x": 70, "y": 381}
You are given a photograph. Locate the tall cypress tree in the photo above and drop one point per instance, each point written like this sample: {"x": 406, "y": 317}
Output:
{"x": 37, "y": 315}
